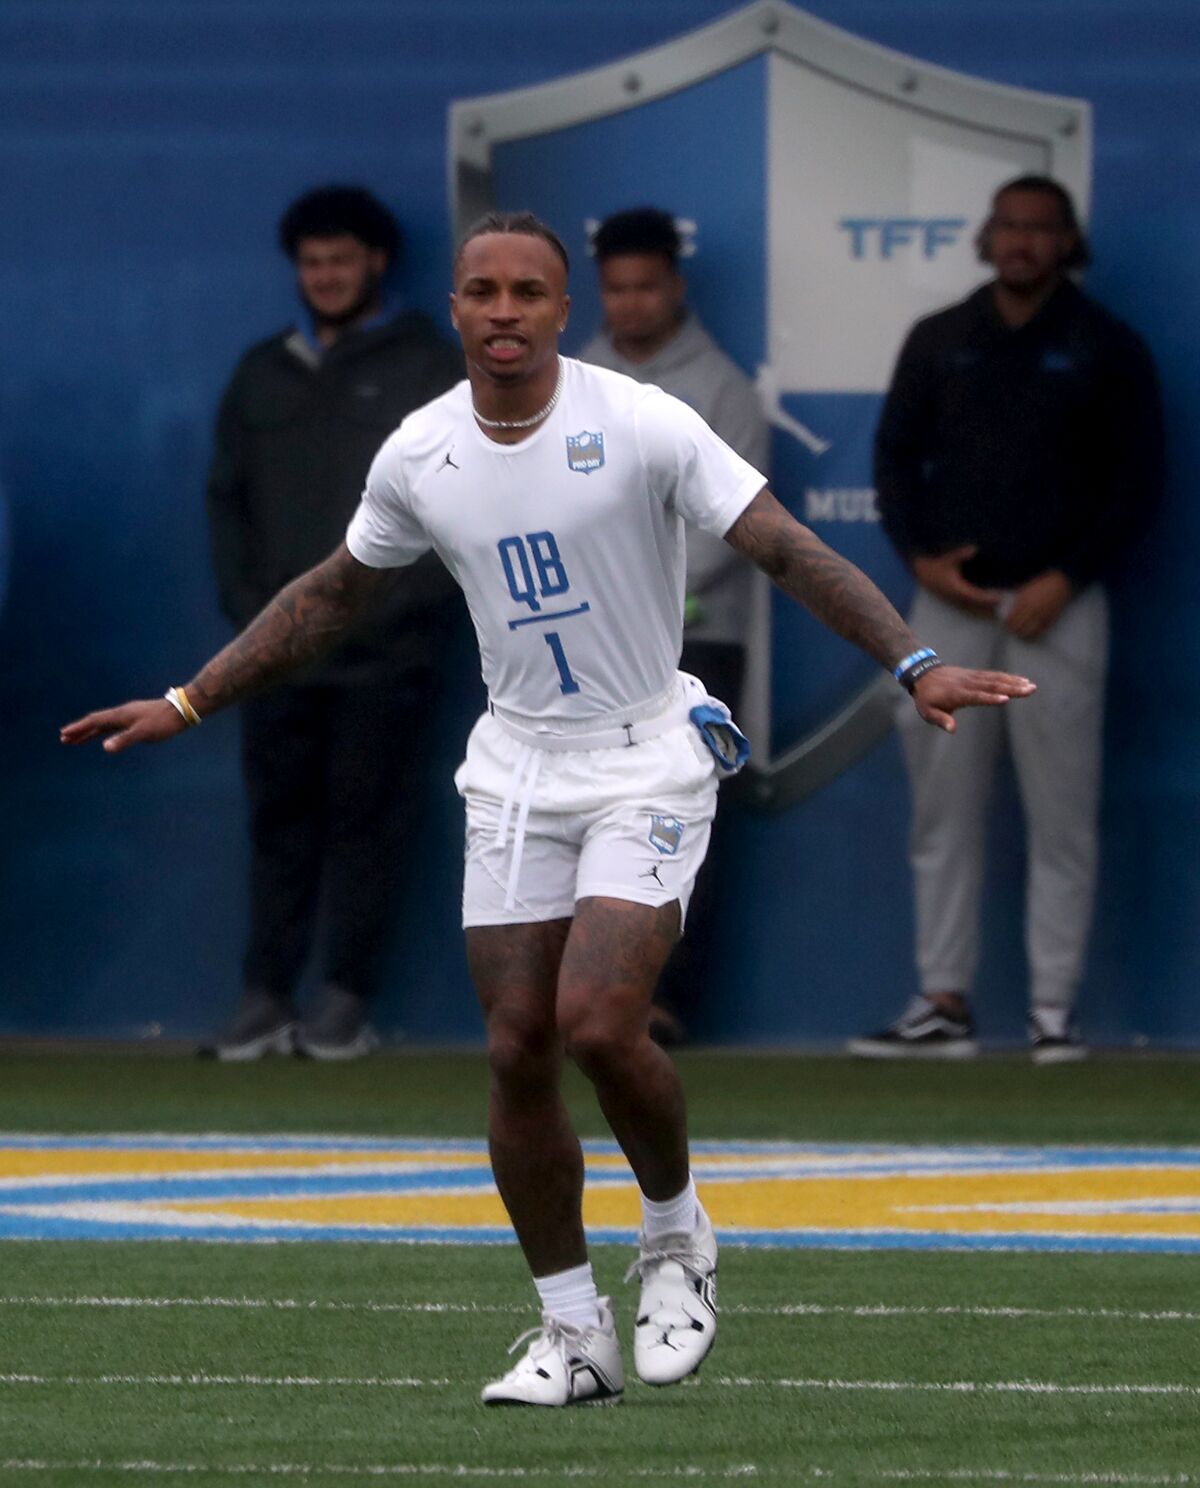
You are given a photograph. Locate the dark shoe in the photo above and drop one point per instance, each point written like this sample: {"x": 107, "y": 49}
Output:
{"x": 1054, "y": 1038}
{"x": 922, "y": 1031}
{"x": 338, "y": 1028}
{"x": 263, "y": 1024}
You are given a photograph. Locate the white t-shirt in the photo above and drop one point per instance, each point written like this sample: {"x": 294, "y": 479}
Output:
{"x": 569, "y": 546}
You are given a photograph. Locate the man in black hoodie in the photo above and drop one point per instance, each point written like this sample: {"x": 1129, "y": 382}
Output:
{"x": 1018, "y": 458}
{"x": 333, "y": 761}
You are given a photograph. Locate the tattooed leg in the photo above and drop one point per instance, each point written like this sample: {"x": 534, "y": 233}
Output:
{"x": 536, "y": 1158}
{"x": 614, "y": 956}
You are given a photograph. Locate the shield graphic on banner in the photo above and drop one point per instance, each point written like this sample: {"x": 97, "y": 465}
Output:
{"x": 829, "y": 190}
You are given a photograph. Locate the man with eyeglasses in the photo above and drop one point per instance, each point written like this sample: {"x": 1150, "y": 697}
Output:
{"x": 1018, "y": 458}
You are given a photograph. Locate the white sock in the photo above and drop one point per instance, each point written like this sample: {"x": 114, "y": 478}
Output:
{"x": 677, "y": 1216}
{"x": 571, "y": 1295}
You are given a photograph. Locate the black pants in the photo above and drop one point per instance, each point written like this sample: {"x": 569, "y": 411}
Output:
{"x": 334, "y": 775}
{"x": 721, "y": 666}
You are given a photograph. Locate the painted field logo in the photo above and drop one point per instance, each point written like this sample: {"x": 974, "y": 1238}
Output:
{"x": 585, "y": 451}
{"x": 758, "y": 1193}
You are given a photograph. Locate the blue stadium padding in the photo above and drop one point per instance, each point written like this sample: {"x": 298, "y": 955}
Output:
{"x": 148, "y": 150}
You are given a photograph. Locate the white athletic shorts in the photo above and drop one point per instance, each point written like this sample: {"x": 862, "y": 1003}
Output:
{"x": 553, "y": 819}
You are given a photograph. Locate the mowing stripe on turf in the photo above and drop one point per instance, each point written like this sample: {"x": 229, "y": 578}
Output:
{"x": 689, "y": 1472}
{"x": 784, "y": 1309}
{"x": 733, "y": 1382}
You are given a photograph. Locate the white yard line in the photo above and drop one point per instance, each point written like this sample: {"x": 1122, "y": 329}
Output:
{"x": 869, "y": 1310}
{"x": 956, "y": 1387}
{"x": 783, "y": 1309}
{"x": 282, "y": 1304}
{"x": 1004, "y": 1475}
{"x": 689, "y": 1473}
{"x": 732, "y": 1382}
{"x": 289, "y": 1381}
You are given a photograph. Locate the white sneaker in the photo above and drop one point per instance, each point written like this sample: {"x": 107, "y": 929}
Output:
{"x": 677, "y": 1313}
{"x": 563, "y": 1365}
{"x": 1054, "y": 1038}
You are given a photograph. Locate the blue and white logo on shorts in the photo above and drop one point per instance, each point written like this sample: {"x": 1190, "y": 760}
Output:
{"x": 585, "y": 451}
{"x": 666, "y": 833}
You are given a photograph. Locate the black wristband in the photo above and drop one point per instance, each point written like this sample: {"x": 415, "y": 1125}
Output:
{"x": 909, "y": 679}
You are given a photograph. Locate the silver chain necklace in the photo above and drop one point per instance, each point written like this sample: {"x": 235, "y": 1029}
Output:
{"x": 525, "y": 423}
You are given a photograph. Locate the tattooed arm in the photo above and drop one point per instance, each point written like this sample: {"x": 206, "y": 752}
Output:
{"x": 838, "y": 594}
{"x": 302, "y": 623}
{"x": 843, "y": 598}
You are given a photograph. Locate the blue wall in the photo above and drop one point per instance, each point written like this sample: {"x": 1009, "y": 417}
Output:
{"x": 145, "y": 152}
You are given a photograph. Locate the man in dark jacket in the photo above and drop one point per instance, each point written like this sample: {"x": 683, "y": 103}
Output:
{"x": 1019, "y": 456}
{"x": 332, "y": 762}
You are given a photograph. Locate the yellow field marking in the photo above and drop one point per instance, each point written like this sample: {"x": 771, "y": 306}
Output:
{"x": 1035, "y": 1201}
{"x": 1009, "y": 1203}
{"x": 1095, "y": 1197}
{"x": 603, "y": 1209}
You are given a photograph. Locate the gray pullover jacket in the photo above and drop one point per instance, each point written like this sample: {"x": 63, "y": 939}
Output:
{"x": 693, "y": 368}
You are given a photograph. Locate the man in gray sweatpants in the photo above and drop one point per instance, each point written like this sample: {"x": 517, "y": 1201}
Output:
{"x": 1018, "y": 457}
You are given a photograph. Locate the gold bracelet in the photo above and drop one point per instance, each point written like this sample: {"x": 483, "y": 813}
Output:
{"x": 178, "y": 700}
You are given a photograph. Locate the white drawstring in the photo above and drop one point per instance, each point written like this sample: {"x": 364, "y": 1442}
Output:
{"x": 514, "y": 784}
{"x": 535, "y": 764}
{"x": 528, "y": 764}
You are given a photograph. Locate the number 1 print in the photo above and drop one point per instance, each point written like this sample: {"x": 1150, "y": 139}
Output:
{"x": 566, "y": 682}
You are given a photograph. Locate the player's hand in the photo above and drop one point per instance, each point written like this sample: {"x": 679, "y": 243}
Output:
{"x": 943, "y": 690}
{"x": 1037, "y": 604}
{"x": 942, "y": 575}
{"x": 147, "y": 722}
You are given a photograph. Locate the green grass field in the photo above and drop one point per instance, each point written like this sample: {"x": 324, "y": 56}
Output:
{"x": 126, "y": 1363}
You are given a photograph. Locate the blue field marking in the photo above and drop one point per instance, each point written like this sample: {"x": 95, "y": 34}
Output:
{"x": 171, "y": 1189}
{"x": 227, "y": 1142}
{"x": 281, "y": 1189}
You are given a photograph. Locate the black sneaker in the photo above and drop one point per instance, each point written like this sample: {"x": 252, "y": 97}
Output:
{"x": 1054, "y": 1038}
{"x": 263, "y": 1024}
{"x": 922, "y": 1031}
{"x": 338, "y": 1028}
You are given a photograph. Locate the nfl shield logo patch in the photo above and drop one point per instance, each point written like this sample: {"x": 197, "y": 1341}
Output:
{"x": 666, "y": 832}
{"x": 585, "y": 451}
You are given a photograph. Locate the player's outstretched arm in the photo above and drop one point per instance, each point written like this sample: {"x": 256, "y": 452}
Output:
{"x": 842, "y": 597}
{"x": 838, "y": 594}
{"x": 301, "y": 623}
